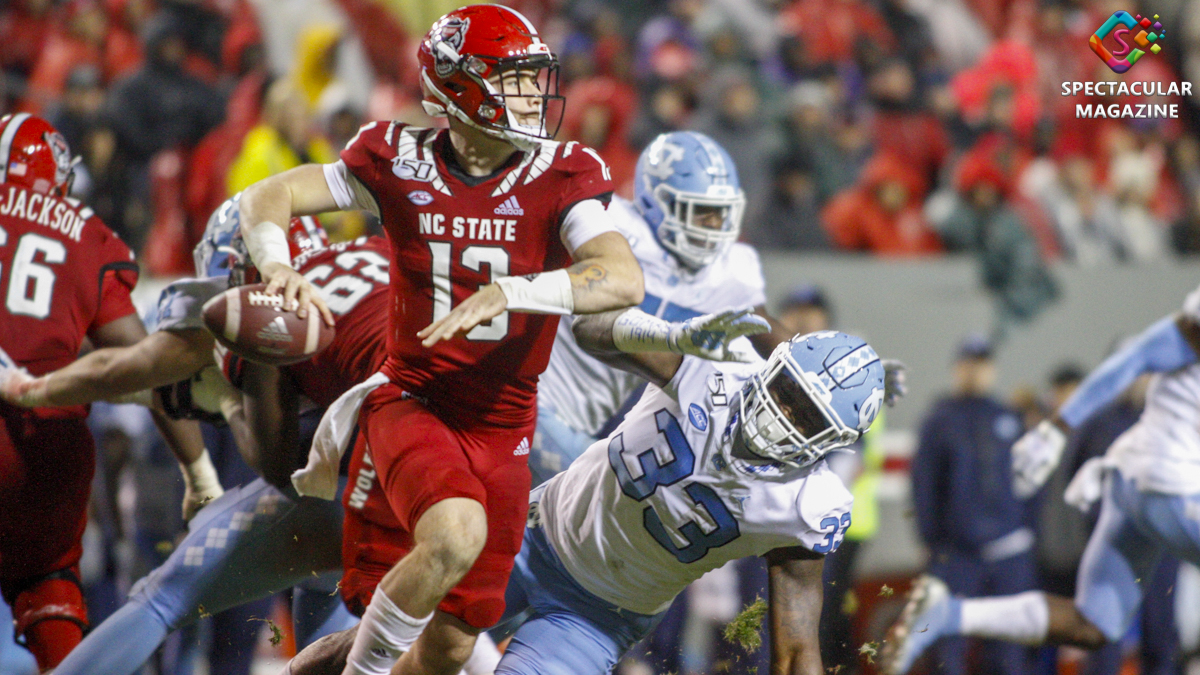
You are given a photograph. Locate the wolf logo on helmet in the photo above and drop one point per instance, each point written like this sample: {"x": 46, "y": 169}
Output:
{"x": 448, "y": 44}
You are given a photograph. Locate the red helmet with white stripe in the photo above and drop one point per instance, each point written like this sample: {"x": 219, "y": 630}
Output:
{"x": 33, "y": 154}
{"x": 477, "y": 59}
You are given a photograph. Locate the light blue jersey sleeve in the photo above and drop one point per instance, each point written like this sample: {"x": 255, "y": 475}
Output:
{"x": 1160, "y": 348}
{"x": 180, "y": 305}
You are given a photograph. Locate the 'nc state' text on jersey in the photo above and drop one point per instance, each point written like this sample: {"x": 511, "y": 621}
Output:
{"x": 43, "y": 210}
{"x": 480, "y": 229}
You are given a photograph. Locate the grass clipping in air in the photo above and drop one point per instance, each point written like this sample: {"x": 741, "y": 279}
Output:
{"x": 746, "y": 628}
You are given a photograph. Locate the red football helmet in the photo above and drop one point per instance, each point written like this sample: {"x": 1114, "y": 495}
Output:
{"x": 305, "y": 235}
{"x": 35, "y": 155}
{"x": 469, "y": 62}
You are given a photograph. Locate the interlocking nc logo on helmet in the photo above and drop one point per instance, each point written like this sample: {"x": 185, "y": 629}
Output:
{"x": 1120, "y": 24}
{"x": 449, "y": 38}
{"x": 661, "y": 156}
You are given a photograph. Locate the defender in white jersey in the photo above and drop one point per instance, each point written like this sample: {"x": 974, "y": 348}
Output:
{"x": 717, "y": 461}
{"x": 683, "y": 227}
{"x": 1149, "y": 481}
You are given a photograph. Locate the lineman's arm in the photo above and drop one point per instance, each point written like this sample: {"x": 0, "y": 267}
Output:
{"x": 266, "y": 209}
{"x": 129, "y": 361}
{"x": 271, "y": 410}
{"x": 632, "y": 340}
{"x": 606, "y": 277}
{"x": 796, "y": 594}
{"x": 162, "y": 358}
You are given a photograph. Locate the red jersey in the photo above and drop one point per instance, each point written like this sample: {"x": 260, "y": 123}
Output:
{"x": 63, "y": 274}
{"x": 353, "y": 278}
{"x": 450, "y": 234}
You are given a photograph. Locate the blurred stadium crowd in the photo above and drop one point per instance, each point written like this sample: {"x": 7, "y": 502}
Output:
{"x": 884, "y": 127}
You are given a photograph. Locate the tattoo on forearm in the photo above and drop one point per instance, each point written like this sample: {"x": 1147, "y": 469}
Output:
{"x": 590, "y": 275}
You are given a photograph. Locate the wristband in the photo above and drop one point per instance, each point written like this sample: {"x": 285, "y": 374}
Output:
{"x": 201, "y": 475}
{"x": 545, "y": 293}
{"x": 636, "y": 331}
{"x": 267, "y": 243}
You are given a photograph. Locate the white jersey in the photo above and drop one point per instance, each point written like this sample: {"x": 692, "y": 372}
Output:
{"x": 659, "y": 503}
{"x": 1161, "y": 453}
{"x": 585, "y": 393}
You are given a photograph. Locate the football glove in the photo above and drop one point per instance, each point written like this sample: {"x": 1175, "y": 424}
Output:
{"x": 1034, "y": 457}
{"x": 710, "y": 336}
{"x": 1087, "y": 485}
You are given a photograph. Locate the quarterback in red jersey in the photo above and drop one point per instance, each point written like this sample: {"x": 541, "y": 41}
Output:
{"x": 63, "y": 276}
{"x": 483, "y": 219}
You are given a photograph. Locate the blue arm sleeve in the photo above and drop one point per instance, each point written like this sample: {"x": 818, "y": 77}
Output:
{"x": 1160, "y": 348}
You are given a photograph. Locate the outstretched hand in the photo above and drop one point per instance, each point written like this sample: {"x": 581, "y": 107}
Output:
{"x": 20, "y": 388}
{"x": 483, "y": 305}
{"x": 710, "y": 336}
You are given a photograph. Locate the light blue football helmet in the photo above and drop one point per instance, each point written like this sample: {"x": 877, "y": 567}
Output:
{"x": 682, "y": 180}
{"x": 816, "y": 393}
{"x": 211, "y": 254}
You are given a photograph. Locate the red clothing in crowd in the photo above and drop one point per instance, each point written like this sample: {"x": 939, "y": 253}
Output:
{"x": 829, "y": 30}
{"x": 617, "y": 102}
{"x": 857, "y": 220}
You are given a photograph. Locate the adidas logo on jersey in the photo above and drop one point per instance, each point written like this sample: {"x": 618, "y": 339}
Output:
{"x": 510, "y": 207}
{"x": 275, "y": 331}
{"x": 522, "y": 447}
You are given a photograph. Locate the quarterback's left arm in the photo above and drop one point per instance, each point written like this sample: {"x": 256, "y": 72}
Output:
{"x": 606, "y": 277}
{"x": 796, "y": 593}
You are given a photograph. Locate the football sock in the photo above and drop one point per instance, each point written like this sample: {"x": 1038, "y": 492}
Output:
{"x": 384, "y": 633}
{"x": 1023, "y": 618}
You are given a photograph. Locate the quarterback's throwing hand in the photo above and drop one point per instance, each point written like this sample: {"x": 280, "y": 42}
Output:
{"x": 297, "y": 291}
{"x": 709, "y": 336}
{"x": 1034, "y": 456}
{"x": 483, "y": 305}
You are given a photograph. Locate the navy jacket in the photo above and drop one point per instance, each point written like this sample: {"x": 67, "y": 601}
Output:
{"x": 962, "y": 475}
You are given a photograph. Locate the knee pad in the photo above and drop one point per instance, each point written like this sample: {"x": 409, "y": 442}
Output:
{"x": 51, "y": 616}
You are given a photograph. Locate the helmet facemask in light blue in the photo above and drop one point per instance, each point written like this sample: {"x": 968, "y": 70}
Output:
{"x": 816, "y": 393}
{"x": 687, "y": 190}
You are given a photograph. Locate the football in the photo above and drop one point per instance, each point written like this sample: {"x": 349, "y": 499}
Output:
{"x": 255, "y": 325}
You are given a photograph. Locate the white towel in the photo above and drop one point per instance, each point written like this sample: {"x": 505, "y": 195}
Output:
{"x": 319, "y": 478}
